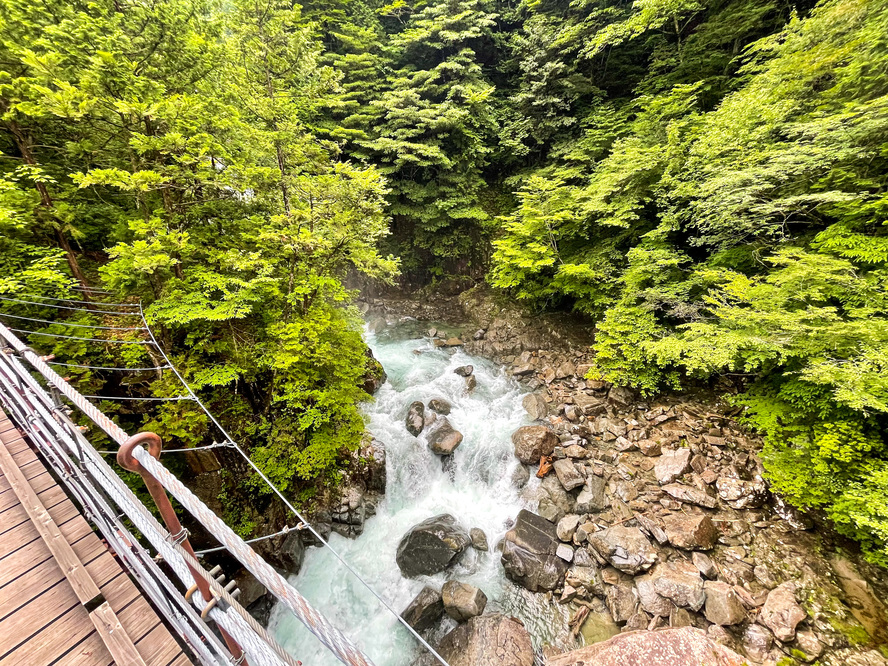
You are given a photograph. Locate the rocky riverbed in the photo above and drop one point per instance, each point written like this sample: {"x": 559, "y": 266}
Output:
{"x": 650, "y": 515}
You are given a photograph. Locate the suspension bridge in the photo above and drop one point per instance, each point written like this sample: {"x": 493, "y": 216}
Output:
{"x": 88, "y": 575}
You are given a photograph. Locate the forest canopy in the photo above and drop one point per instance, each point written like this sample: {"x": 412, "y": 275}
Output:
{"x": 705, "y": 180}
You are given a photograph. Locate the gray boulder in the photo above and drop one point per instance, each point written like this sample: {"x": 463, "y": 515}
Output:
{"x": 690, "y": 495}
{"x": 464, "y": 370}
{"x": 672, "y": 464}
{"x": 680, "y": 582}
{"x": 740, "y": 494}
{"x": 591, "y": 498}
{"x": 462, "y": 601}
{"x": 415, "y": 420}
{"x": 567, "y": 473}
{"x": 529, "y": 553}
{"x": 621, "y": 601}
{"x": 626, "y": 548}
{"x": 781, "y": 612}
{"x": 431, "y": 546}
{"x": 723, "y": 606}
{"x": 425, "y": 609}
{"x": 536, "y": 406}
{"x": 652, "y": 602}
{"x": 487, "y": 640}
{"x": 443, "y": 440}
{"x": 532, "y": 442}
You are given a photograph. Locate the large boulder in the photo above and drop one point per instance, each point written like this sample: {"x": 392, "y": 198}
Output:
{"x": 781, "y": 612}
{"x": 462, "y": 601}
{"x": 626, "y": 548}
{"x": 680, "y": 582}
{"x": 568, "y": 474}
{"x": 440, "y": 406}
{"x": 487, "y": 640}
{"x": 532, "y": 442}
{"x": 667, "y": 647}
{"x": 672, "y": 464}
{"x": 723, "y": 606}
{"x": 443, "y": 440}
{"x": 592, "y": 498}
{"x": 690, "y": 531}
{"x": 415, "y": 420}
{"x": 690, "y": 495}
{"x": 536, "y": 406}
{"x": 431, "y": 546}
{"x": 529, "y": 553}
{"x": 425, "y": 609}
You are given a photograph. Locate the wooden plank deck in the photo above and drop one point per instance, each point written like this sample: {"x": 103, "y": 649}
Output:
{"x": 42, "y": 620}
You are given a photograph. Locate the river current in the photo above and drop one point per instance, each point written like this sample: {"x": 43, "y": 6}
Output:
{"x": 478, "y": 491}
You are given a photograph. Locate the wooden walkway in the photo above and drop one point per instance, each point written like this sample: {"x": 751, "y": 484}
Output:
{"x": 64, "y": 598}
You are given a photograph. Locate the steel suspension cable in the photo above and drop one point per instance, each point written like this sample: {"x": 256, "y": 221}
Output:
{"x": 64, "y": 307}
{"x": 69, "y": 300}
{"x": 287, "y": 502}
{"x": 74, "y": 337}
{"x": 67, "y": 323}
{"x": 100, "y": 367}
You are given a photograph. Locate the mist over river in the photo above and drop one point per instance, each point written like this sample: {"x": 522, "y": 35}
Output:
{"x": 478, "y": 491}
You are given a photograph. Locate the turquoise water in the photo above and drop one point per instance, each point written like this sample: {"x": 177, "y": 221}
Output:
{"x": 480, "y": 494}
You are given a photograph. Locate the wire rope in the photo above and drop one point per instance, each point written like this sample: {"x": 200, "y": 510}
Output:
{"x": 69, "y": 300}
{"x": 63, "y": 307}
{"x": 65, "y": 323}
{"x": 73, "y": 337}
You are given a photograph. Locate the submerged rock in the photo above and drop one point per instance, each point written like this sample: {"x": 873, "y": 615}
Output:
{"x": 479, "y": 539}
{"x": 668, "y": 647}
{"x": 425, "y": 609}
{"x": 415, "y": 420}
{"x": 532, "y": 442}
{"x": 487, "y": 640}
{"x": 529, "y": 553}
{"x": 431, "y": 546}
{"x": 440, "y": 406}
{"x": 462, "y": 601}
{"x": 464, "y": 370}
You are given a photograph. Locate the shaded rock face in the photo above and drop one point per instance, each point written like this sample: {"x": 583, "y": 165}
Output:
{"x": 431, "y": 546}
{"x": 741, "y": 494}
{"x": 568, "y": 474}
{"x": 668, "y": 647}
{"x": 536, "y": 406}
{"x": 529, "y": 553}
{"x": 349, "y": 515}
{"x": 626, "y": 548}
{"x": 680, "y": 582}
{"x": 782, "y": 613}
{"x": 462, "y": 601}
{"x": 425, "y": 609}
{"x": 415, "y": 420}
{"x": 723, "y": 606}
{"x": 479, "y": 539}
{"x": 591, "y": 498}
{"x": 532, "y": 442}
{"x": 443, "y": 440}
{"x": 488, "y": 640}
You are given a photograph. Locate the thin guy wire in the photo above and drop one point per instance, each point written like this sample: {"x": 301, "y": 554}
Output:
{"x": 99, "y": 367}
{"x": 69, "y": 300}
{"x": 83, "y": 288}
{"x": 72, "y": 337}
{"x": 165, "y": 451}
{"x": 65, "y": 323}
{"x": 286, "y": 530}
{"x": 287, "y": 502}
{"x": 64, "y": 307}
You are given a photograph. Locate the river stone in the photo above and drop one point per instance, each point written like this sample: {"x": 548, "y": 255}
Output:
{"x": 462, "y": 601}
{"x": 626, "y": 548}
{"x": 487, "y": 640}
{"x": 567, "y": 526}
{"x": 479, "y": 539}
{"x": 690, "y": 531}
{"x": 667, "y": 647}
{"x": 591, "y": 498}
{"x": 464, "y": 370}
{"x": 533, "y": 442}
{"x": 652, "y": 602}
{"x": 415, "y": 418}
{"x": 443, "y": 440}
{"x": 723, "y": 606}
{"x": 621, "y": 601}
{"x": 425, "y": 609}
{"x": 781, "y": 613}
{"x": 690, "y": 495}
{"x": 568, "y": 474}
{"x": 529, "y": 553}
{"x": 440, "y": 406}
{"x": 471, "y": 383}
{"x": 520, "y": 476}
{"x": 536, "y": 406}
{"x": 680, "y": 582}
{"x": 589, "y": 404}
{"x": 741, "y": 494}
{"x": 757, "y": 642}
{"x": 704, "y": 565}
{"x": 453, "y": 342}
{"x": 431, "y": 546}
{"x": 585, "y": 577}
{"x": 672, "y": 464}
